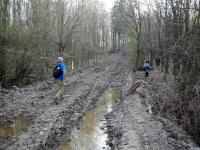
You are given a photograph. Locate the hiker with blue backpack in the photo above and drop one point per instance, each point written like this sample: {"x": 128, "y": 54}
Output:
{"x": 59, "y": 74}
{"x": 147, "y": 67}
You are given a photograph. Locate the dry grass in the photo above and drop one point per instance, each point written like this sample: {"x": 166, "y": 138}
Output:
{"x": 177, "y": 101}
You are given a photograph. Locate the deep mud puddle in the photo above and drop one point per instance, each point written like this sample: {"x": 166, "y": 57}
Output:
{"x": 91, "y": 135}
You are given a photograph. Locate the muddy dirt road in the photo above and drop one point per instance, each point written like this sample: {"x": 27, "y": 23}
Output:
{"x": 95, "y": 114}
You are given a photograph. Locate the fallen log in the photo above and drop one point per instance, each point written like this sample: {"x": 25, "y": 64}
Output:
{"x": 133, "y": 88}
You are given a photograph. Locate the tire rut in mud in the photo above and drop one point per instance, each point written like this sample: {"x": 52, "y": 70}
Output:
{"x": 54, "y": 121}
{"x": 70, "y": 118}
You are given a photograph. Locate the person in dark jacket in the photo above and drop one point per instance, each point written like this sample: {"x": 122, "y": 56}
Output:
{"x": 147, "y": 68}
{"x": 157, "y": 61}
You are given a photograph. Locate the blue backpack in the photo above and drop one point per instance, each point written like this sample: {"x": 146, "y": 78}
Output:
{"x": 57, "y": 72}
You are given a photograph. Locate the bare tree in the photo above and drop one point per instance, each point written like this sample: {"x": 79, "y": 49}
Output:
{"x": 131, "y": 12}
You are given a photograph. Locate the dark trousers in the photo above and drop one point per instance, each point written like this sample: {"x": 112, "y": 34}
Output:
{"x": 157, "y": 64}
{"x": 146, "y": 74}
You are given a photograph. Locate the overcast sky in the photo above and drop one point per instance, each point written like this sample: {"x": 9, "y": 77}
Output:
{"x": 108, "y": 4}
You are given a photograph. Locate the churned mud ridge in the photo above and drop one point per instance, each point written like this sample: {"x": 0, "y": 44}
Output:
{"x": 70, "y": 117}
{"x": 132, "y": 125}
{"x": 48, "y": 122}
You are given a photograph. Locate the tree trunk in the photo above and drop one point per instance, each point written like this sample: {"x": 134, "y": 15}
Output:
{"x": 119, "y": 45}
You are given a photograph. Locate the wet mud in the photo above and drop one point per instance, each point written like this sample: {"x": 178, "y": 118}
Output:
{"x": 133, "y": 126}
{"x": 95, "y": 113}
{"x": 91, "y": 132}
{"x": 49, "y": 123}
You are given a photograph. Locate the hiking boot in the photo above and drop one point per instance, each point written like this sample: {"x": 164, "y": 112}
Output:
{"x": 61, "y": 97}
{"x": 55, "y": 99}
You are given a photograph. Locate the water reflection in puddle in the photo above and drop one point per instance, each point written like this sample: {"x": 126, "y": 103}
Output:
{"x": 91, "y": 135}
{"x": 12, "y": 129}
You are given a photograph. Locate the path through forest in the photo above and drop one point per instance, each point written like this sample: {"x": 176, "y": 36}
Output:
{"x": 95, "y": 113}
